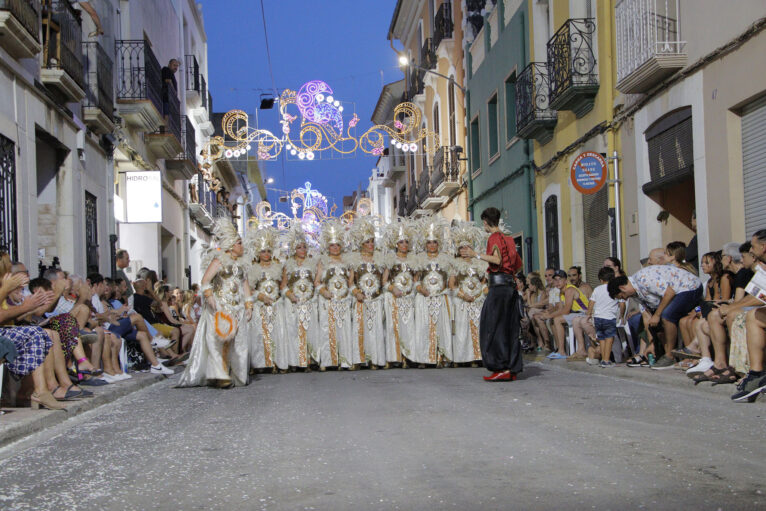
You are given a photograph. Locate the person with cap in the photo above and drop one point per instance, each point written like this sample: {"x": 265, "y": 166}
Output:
{"x": 500, "y": 320}
{"x": 268, "y": 345}
{"x": 299, "y": 311}
{"x": 400, "y": 286}
{"x": 219, "y": 353}
{"x": 334, "y": 281}
{"x": 432, "y": 343}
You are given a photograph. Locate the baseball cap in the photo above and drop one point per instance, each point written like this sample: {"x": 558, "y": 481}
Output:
{"x": 560, "y": 273}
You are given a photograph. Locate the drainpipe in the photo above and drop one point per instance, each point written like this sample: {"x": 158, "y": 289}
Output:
{"x": 617, "y": 209}
{"x": 530, "y": 168}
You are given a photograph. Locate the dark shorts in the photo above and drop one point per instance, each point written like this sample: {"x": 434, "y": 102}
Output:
{"x": 605, "y": 328}
{"x": 681, "y": 305}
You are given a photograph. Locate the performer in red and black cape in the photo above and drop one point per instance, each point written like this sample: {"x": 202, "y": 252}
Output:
{"x": 500, "y": 321}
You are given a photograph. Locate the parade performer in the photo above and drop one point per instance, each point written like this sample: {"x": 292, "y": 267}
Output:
{"x": 268, "y": 346}
{"x": 334, "y": 280}
{"x": 219, "y": 353}
{"x": 432, "y": 343}
{"x": 500, "y": 321}
{"x": 299, "y": 310}
{"x": 400, "y": 284}
{"x": 468, "y": 294}
{"x": 368, "y": 314}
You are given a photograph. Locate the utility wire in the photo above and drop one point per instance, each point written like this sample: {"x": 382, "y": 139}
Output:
{"x": 268, "y": 51}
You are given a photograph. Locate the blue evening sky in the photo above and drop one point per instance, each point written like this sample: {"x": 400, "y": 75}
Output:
{"x": 342, "y": 42}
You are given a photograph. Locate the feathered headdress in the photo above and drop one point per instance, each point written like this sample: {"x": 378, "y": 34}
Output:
{"x": 225, "y": 234}
{"x": 260, "y": 239}
{"x": 296, "y": 236}
{"x": 433, "y": 228}
{"x": 467, "y": 234}
{"x": 402, "y": 229}
{"x": 362, "y": 230}
{"x": 332, "y": 232}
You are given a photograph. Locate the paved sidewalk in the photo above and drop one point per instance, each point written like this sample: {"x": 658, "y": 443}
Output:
{"x": 669, "y": 377}
{"x": 21, "y": 422}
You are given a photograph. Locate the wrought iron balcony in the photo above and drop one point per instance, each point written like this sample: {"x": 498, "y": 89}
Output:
{"x": 166, "y": 143}
{"x": 572, "y": 66}
{"x": 424, "y": 186}
{"x": 139, "y": 84}
{"x": 416, "y": 85}
{"x": 184, "y": 165}
{"x": 98, "y": 106}
{"x": 443, "y": 25}
{"x": 196, "y": 87}
{"x": 473, "y": 9}
{"x": 428, "y": 54}
{"x": 203, "y": 204}
{"x": 445, "y": 173}
{"x": 20, "y": 27}
{"x": 649, "y": 47}
{"x": 63, "y": 68}
{"x": 534, "y": 116}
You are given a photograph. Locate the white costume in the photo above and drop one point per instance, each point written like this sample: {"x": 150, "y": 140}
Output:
{"x": 400, "y": 311}
{"x": 301, "y": 321}
{"x": 433, "y": 313}
{"x": 219, "y": 353}
{"x": 268, "y": 348}
{"x": 470, "y": 282}
{"x": 336, "y": 346}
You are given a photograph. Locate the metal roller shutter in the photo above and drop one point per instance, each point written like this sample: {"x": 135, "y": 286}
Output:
{"x": 596, "y": 220}
{"x": 754, "y": 165}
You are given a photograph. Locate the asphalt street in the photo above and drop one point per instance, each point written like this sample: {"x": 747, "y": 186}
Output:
{"x": 400, "y": 439}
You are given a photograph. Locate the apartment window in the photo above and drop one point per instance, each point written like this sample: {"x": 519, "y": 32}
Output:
{"x": 437, "y": 125}
{"x": 91, "y": 232}
{"x": 475, "y": 147}
{"x": 552, "y": 232}
{"x": 451, "y": 112}
{"x": 492, "y": 131}
{"x": 8, "y": 226}
{"x": 510, "y": 107}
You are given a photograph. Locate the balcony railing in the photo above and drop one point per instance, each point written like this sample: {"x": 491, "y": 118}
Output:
{"x": 534, "y": 116}
{"x": 192, "y": 74}
{"x": 139, "y": 73}
{"x": 445, "y": 169}
{"x": 99, "y": 91}
{"x": 203, "y": 93}
{"x": 416, "y": 85}
{"x": 649, "y": 46}
{"x": 174, "y": 112}
{"x": 203, "y": 204}
{"x": 572, "y": 66}
{"x": 62, "y": 40}
{"x": 27, "y": 12}
{"x": 443, "y": 25}
{"x": 428, "y": 54}
{"x": 188, "y": 139}
{"x": 424, "y": 186}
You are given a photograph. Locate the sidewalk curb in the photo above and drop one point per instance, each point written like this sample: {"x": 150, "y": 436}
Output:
{"x": 670, "y": 378}
{"x": 23, "y": 422}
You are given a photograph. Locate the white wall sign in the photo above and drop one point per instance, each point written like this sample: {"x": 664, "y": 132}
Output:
{"x": 143, "y": 197}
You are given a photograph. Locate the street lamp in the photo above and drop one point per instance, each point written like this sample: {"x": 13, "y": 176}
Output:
{"x": 405, "y": 61}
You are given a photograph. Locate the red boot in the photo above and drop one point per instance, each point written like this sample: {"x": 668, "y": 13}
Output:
{"x": 501, "y": 376}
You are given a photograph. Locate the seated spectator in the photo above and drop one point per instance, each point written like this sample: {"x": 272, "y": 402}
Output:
{"x": 572, "y": 303}
{"x": 754, "y": 383}
{"x": 711, "y": 331}
{"x": 554, "y": 296}
{"x": 615, "y": 264}
{"x": 39, "y": 350}
{"x": 675, "y": 254}
{"x": 536, "y": 300}
{"x": 669, "y": 292}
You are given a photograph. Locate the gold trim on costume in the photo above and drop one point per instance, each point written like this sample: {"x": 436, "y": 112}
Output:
{"x": 332, "y": 333}
{"x": 395, "y": 319}
{"x": 360, "y": 330}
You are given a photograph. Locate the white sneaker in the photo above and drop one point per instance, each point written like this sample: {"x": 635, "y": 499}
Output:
{"x": 125, "y": 376}
{"x": 704, "y": 364}
{"x": 160, "y": 342}
{"x": 592, "y": 361}
{"x": 161, "y": 369}
{"x": 109, "y": 378}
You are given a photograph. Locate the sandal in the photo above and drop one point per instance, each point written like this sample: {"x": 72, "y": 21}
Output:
{"x": 704, "y": 377}
{"x": 70, "y": 395}
{"x": 727, "y": 375}
{"x": 685, "y": 352}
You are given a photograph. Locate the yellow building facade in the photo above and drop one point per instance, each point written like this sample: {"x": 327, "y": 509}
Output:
{"x": 570, "y": 107}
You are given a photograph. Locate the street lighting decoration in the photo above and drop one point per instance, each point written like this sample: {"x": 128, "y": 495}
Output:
{"x": 321, "y": 128}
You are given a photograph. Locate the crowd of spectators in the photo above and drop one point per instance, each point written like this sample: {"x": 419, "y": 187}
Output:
{"x": 665, "y": 316}
{"x": 61, "y": 333}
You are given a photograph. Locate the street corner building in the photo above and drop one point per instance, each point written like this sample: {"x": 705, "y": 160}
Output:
{"x": 98, "y": 148}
